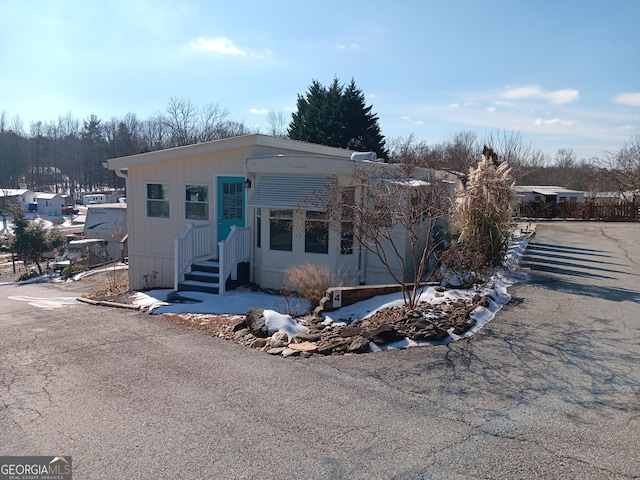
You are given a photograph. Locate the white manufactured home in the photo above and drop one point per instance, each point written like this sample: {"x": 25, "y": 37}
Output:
{"x": 21, "y": 197}
{"x": 49, "y": 204}
{"x": 94, "y": 199}
{"x": 207, "y": 210}
{"x": 107, "y": 222}
{"x": 547, "y": 194}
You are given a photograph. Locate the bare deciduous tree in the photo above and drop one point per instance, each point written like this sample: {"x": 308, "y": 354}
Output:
{"x": 461, "y": 152}
{"x": 512, "y": 149}
{"x": 622, "y": 167}
{"x": 188, "y": 124}
{"x": 395, "y": 212}
{"x": 277, "y": 124}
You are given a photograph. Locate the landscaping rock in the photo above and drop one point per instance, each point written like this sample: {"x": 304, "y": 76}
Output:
{"x": 279, "y": 339}
{"x": 241, "y": 333}
{"x": 304, "y": 347}
{"x": 256, "y": 322}
{"x": 240, "y": 325}
{"x": 385, "y": 334}
{"x": 275, "y": 351}
{"x": 333, "y": 345}
{"x": 429, "y": 334}
{"x": 359, "y": 345}
{"x": 350, "y": 331}
{"x": 290, "y": 352}
{"x": 259, "y": 343}
{"x": 309, "y": 337}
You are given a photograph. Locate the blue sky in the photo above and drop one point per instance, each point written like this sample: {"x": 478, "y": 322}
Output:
{"x": 563, "y": 73}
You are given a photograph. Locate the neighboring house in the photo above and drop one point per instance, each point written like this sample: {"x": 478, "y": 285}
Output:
{"x": 94, "y": 198}
{"x": 237, "y": 201}
{"x": 107, "y": 222}
{"x": 49, "y": 204}
{"x": 547, "y": 194}
{"x": 20, "y": 196}
{"x": 600, "y": 198}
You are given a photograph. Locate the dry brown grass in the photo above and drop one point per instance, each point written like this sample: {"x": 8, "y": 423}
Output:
{"x": 115, "y": 285}
{"x": 309, "y": 280}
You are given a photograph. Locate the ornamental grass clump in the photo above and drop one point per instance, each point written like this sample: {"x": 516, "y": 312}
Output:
{"x": 309, "y": 280}
{"x": 482, "y": 216}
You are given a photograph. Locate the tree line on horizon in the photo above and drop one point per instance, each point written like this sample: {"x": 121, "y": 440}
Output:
{"x": 69, "y": 153}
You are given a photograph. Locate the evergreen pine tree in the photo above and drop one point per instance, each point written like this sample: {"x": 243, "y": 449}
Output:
{"x": 337, "y": 117}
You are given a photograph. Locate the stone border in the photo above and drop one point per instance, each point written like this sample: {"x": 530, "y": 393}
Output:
{"x": 103, "y": 303}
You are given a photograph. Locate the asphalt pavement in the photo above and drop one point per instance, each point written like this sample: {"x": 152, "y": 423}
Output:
{"x": 550, "y": 389}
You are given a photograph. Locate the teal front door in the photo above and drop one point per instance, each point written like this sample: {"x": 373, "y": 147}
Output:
{"x": 231, "y": 209}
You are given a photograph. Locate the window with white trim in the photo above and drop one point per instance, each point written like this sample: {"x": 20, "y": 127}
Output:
{"x": 281, "y": 230}
{"x": 196, "y": 206}
{"x": 158, "y": 200}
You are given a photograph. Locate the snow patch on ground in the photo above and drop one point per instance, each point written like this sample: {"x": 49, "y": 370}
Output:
{"x": 278, "y": 322}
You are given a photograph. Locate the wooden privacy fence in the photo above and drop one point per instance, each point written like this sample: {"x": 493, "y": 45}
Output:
{"x": 622, "y": 212}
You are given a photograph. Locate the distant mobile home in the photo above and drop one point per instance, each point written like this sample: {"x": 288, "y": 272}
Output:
{"x": 49, "y": 204}
{"x": 94, "y": 198}
{"x": 547, "y": 194}
{"x": 22, "y": 197}
{"x": 108, "y": 223}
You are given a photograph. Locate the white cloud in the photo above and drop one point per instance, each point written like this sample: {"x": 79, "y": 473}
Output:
{"x": 351, "y": 46}
{"x": 565, "y": 95}
{"x": 526, "y": 91}
{"x": 410, "y": 120}
{"x": 259, "y": 111}
{"x": 632, "y": 99}
{"x": 491, "y": 109}
{"x": 218, "y": 45}
{"x": 454, "y": 105}
{"x": 552, "y": 122}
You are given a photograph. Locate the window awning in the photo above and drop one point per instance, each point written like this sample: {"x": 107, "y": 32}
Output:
{"x": 291, "y": 192}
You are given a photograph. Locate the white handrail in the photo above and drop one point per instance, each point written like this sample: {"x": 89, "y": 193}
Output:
{"x": 194, "y": 243}
{"x": 234, "y": 249}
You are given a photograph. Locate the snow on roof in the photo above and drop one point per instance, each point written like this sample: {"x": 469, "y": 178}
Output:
{"x": 411, "y": 182}
{"x": 545, "y": 189}
{"x": 47, "y": 196}
{"x": 12, "y": 192}
{"x": 85, "y": 241}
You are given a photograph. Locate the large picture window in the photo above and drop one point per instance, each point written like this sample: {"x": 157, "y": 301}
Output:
{"x": 158, "y": 200}
{"x": 281, "y": 230}
{"x": 196, "y": 206}
{"x": 316, "y": 233}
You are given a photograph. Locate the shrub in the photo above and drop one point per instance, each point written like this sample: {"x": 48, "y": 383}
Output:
{"x": 70, "y": 271}
{"x": 309, "y": 280}
{"x": 462, "y": 266}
